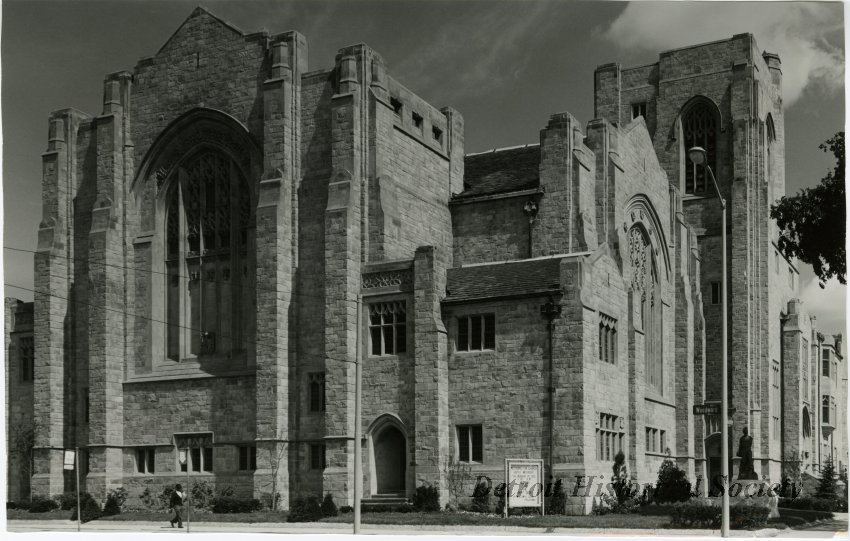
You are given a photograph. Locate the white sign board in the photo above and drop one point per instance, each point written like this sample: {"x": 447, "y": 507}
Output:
{"x": 182, "y": 454}
{"x": 524, "y": 483}
{"x": 68, "y": 462}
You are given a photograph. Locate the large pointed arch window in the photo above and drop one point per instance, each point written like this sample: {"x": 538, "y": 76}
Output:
{"x": 646, "y": 286}
{"x": 699, "y": 129}
{"x": 206, "y": 246}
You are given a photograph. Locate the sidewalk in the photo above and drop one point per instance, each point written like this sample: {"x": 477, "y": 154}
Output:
{"x": 374, "y": 529}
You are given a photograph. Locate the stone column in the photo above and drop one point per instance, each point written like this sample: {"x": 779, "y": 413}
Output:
{"x": 51, "y": 311}
{"x": 275, "y": 256}
{"x": 106, "y": 304}
{"x": 740, "y": 245}
{"x": 566, "y": 221}
{"x": 342, "y": 279}
{"x": 685, "y": 370}
{"x": 431, "y": 375}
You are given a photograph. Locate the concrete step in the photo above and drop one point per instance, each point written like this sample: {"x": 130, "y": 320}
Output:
{"x": 379, "y": 501}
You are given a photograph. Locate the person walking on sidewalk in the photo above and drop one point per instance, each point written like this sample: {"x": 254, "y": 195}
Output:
{"x": 176, "y": 505}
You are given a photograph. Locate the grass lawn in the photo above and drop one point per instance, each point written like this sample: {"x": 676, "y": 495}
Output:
{"x": 155, "y": 516}
{"x": 635, "y": 521}
{"x": 476, "y": 519}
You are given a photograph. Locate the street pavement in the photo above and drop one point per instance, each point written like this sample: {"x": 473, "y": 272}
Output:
{"x": 835, "y": 528}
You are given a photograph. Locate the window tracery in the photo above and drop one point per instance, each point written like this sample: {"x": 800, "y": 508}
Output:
{"x": 700, "y": 127}
{"x": 645, "y": 282}
{"x": 206, "y": 310}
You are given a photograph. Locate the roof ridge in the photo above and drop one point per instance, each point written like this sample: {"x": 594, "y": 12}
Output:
{"x": 525, "y": 260}
{"x": 494, "y": 150}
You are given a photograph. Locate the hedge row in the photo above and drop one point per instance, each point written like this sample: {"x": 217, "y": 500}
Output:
{"x": 702, "y": 514}
{"x": 814, "y": 504}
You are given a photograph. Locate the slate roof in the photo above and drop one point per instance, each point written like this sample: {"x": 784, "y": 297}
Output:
{"x": 501, "y": 171}
{"x": 515, "y": 278}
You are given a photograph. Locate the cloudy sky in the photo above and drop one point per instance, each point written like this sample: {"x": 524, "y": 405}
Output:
{"x": 506, "y": 66}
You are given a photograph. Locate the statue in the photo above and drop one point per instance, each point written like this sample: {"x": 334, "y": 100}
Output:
{"x": 745, "y": 452}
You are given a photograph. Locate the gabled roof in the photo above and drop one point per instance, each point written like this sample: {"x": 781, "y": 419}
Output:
{"x": 501, "y": 171}
{"x": 504, "y": 279}
{"x": 200, "y": 11}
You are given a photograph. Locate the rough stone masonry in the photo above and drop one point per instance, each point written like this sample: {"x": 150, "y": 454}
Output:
{"x": 207, "y": 238}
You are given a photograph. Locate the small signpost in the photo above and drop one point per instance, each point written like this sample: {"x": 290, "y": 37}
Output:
{"x": 524, "y": 476}
{"x": 710, "y": 408}
{"x": 707, "y": 409}
{"x": 185, "y": 460}
{"x": 69, "y": 462}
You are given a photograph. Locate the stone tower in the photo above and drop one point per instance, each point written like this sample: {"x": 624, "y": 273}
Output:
{"x": 726, "y": 96}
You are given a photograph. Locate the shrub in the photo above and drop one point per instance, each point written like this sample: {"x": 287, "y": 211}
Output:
{"x": 481, "y": 497}
{"x": 229, "y": 504}
{"x": 305, "y": 510}
{"x": 814, "y": 504}
{"x": 90, "y": 510}
{"x": 67, "y": 500}
{"x": 345, "y": 509}
{"x": 164, "y": 498}
{"x": 702, "y": 514}
{"x": 386, "y": 508}
{"x": 42, "y": 504}
{"x": 148, "y": 499}
{"x": 115, "y": 501}
{"x": 698, "y": 514}
{"x": 227, "y": 492}
{"x": 426, "y": 498}
{"x": 672, "y": 484}
{"x": 620, "y": 478}
{"x": 18, "y": 505}
{"x": 202, "y": 495}
{"x": 557, "y": 504}
{"x": 268, "y": 503}
{"x": 328, "y": 506}
{"x": 828, "y": 487}
{"x": 746, "y": 515}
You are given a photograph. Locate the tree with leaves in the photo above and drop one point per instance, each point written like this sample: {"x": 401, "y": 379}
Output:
{"x": 827, "y": 488}
{"x": 812, "y": 223}
{"x": 276, "y": 454}
{"x": 21, "y": 447}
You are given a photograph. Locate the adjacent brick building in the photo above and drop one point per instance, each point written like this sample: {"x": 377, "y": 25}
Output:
{"x": 207, "y": 238}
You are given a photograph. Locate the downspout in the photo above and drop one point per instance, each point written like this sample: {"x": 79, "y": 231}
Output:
{"x": 783, "y": 319}
{"x": 551, "y": 311}
{"x": 530, "y": 210}
{"x": 817, "y": 402}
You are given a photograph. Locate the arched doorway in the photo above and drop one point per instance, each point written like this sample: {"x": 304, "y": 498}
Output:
{"x": 390, "y": 461}
{"x": 389, "y": 456}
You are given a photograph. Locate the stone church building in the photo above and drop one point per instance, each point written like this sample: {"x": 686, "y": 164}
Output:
{"x": 207, "y": 239}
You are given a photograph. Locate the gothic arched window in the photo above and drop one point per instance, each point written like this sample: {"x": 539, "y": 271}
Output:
{"x": 699, "y": 129}
{"x": 770, "y": 139}
{"x": 645, "y": 284}
{"x": 206, "y": 244}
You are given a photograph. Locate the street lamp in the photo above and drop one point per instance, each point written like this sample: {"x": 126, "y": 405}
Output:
{"x": 698, "y": 156}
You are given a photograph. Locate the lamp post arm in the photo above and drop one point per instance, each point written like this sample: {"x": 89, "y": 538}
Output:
{"x": 716, "y": 187}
